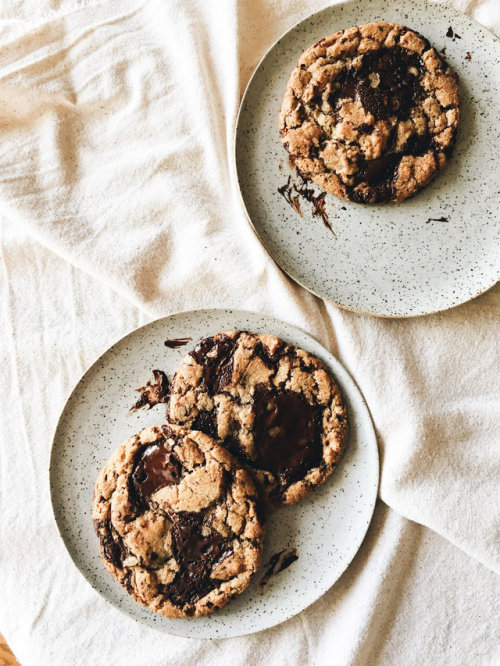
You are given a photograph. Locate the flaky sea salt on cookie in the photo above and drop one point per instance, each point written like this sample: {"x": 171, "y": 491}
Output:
{"x": 371, "y": 113}
{"x": 178, "y": 521}
{"x": 274, "y": 406}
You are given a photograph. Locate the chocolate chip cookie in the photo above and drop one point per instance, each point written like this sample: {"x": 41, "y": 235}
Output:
{"x": 178, "y": 521}
{"x": 371, "y": 113}
{"x": 274, "y": 406}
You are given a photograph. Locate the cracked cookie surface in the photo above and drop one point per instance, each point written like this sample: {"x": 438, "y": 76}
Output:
{"x": 370, "y": 114}
{"x": 274, "y": 406}
{"x": 178, "y": 521}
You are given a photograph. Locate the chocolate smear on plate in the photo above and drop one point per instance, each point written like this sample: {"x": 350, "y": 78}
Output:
{"x": 437, "y": 219}
{"x": 286, "y": 191}
{"x": 293, "y": 191}
{"x": 175, "y": 343}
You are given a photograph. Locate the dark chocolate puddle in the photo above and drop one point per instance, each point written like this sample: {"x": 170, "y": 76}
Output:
{"x": 155, "y": 467}
{"x": 286, "y": 433}
{"x": 197, "y": 555}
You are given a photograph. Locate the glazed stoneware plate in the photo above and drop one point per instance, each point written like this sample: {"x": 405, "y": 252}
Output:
{"x": 326, "y": 529}
{"x": 429, "y": 253}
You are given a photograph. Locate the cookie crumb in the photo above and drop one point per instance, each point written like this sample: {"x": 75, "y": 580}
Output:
{"x": 278, "y": 562}
{"x": 452, "y": 35}
{"x": 155, "y": 392}
{"x": 468, "y": 56}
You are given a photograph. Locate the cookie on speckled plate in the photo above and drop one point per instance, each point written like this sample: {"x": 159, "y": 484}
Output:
{"x": 274, "y": 406}
{"x": 178, "y": 521}
{"x": 371, "y": 113}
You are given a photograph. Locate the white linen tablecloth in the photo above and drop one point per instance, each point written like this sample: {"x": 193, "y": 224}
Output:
{"x": 117, "y": 206}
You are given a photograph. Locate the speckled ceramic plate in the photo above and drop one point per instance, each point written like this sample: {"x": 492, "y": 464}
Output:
{"x": 326, "y": 529}
{"x": 429, "y": 253}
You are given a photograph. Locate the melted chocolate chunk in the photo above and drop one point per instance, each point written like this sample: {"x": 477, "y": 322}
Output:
{"x": 418, "y": 144}
{"x": 382, "y": 172}
{"x": 154, "y": 393}
{"x": 381, "y": 169}
{"x": 286, "y": 433}
{"x": 234, "y": 446}
{"x": 155, "y": 467}
{"x": 206, "y": 422}
{"x": 278, "y": 562}
{"x": 387, "y": 83}
{"x": 197, "y": 554}
{"x": 112, "y": 545}
{"x": 364, "y": 127}
{"x": 216, "y": 356}
{"x": 265, "y": 355}
{"x": 175, "y": 343}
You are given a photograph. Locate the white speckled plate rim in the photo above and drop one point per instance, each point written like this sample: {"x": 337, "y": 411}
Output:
{"x": 358, "y": 299}
{"x": 327, "y": 528}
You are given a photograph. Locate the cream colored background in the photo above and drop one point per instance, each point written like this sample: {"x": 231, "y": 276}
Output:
{"x": 117, "y": 206}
